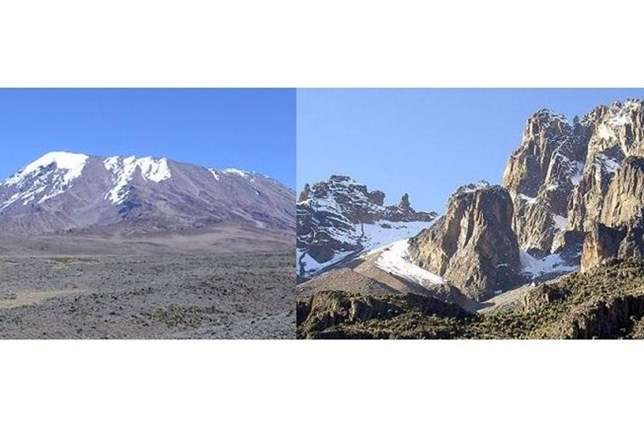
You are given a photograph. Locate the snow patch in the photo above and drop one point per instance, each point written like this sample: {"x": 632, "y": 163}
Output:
{"x": 311, "y": 266}
{"x": 605, "y": 132}
{"x": 530, "y": 200}
{"x": 609, "y": 164}
{"x": 470, "y": 188}
{"x": 384, "y": 232}
{"x": 561, "y": 222}
{"x": 552, "y": 187}
{"x": 534, "y": 267}
{"x": 579, "y": 170}
{"x": 214, "y": 173}
{"x": 237, "y": 172}
{"x": 395, "y": 259}
{"x": 375, "y": 237}
{"x": 620, "y": 113}
{"x": 123, "y": 170}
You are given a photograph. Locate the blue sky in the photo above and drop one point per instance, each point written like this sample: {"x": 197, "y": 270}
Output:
{"x": 251, "y": 129}
{"x": 426, "y": 142}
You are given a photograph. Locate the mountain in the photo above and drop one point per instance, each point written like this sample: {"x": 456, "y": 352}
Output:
{"x": 577, "y": 186}
{"x": 572, "y": 197}
{"x": 62, "y": 193}
{"x": 577, "y": 193}
{"x": 567, "y": 176}
{"x": 339, "y": 218}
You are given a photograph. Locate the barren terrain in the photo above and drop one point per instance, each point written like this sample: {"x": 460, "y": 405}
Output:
{"x": 133, "y": 296}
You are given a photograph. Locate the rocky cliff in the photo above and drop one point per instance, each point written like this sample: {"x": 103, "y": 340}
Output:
{"x": 624, "y": 197}
{"x": 619, "y": 231}
{"x": 560, "y": 175}
{"x": 540, "y": 176}
{"x": 472, "y": 245}
{"x": 572, "y": 193}
{"x": 604, "y": 243}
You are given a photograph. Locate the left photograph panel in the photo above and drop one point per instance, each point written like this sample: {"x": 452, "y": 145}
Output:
{"x": 147, "y": 214}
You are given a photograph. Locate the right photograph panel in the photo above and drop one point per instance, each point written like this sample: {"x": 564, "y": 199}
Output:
{"x": 470, "y": 213}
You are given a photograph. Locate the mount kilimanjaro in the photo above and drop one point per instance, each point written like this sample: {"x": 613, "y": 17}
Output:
{"x": 572, "y": 198}
{"x": 71, "y": 194}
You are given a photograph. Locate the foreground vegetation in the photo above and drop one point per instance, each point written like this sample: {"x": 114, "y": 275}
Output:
{"x": 606, "y": 302}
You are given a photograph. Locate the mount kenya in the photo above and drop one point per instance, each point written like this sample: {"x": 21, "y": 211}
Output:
{"x": 569, "y": 209}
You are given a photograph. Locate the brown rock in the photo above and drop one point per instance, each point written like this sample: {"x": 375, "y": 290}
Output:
{"x": 624, "y": 199}
{"x": 568, "y": 176}
{"x": 600, "y": 244}
{"x": 305, "y": 193}
{"x": 472, "y": 245}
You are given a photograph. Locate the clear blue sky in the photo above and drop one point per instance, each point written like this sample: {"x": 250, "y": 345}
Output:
{"x": 251, "y": 129}
{"x": 425, "y": 142}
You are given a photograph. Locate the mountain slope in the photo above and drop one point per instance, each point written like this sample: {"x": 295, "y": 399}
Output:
{"x": 64, "y": 192}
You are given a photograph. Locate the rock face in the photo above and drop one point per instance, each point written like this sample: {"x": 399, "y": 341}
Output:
{"x": 604, "y": 243}
{"x": 606, "y": 303}
{"x": 624, "y": 198}
{"x": 560, "y": 175}
{"x": 339, "y": 217}
{"x": 472, "y": 245}
{"x": 569, "y": 179}
{"x": 600, "y": 244}
{"x": 549, "y": 148}
{"x": 620, "y": 230}
{"x": 615, "y": 133}
{"x": 62, "y": 192}
{"x": 576, "y": 189}
{"x": 540, "y": 175}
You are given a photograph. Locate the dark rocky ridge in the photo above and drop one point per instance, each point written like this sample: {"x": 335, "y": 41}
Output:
{"x": 324, "y": 315}
{"x": 606, "y": 303}
{"x": 331, "y": 216}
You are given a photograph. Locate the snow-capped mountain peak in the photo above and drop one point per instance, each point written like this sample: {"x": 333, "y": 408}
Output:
{"x": 123, "y": 170}
{"x": 44, "y": 178}
{"x": 63, "y": 191}
{"x": 71, "y": 164}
